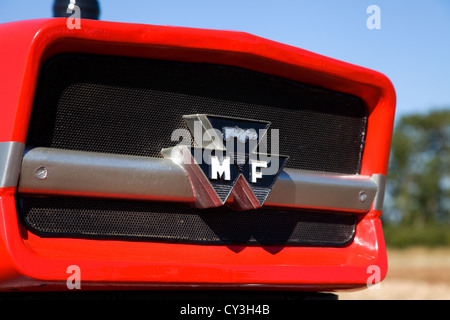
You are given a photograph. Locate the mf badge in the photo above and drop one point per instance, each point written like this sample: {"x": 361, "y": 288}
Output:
{"x": 228, "y": 160}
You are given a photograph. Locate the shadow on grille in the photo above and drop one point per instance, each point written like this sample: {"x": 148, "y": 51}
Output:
{"x": 169, "y": 222}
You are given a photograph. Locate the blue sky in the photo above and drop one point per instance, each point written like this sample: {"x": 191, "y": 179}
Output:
{"x": 412, "y": 47}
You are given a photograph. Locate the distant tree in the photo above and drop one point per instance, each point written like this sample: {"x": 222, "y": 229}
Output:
{"x": 418, "y": 184}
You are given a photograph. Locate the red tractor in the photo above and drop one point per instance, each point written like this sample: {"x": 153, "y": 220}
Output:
{"x": 142, "y": 157}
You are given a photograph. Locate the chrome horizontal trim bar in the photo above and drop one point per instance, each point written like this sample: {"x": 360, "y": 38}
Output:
{"x": 309, "y": 189}
{"x": 11, "y": 154}
{"x": 47, "y": 171}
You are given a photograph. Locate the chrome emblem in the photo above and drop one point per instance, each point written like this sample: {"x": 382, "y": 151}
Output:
{"x": 228, "y": 163}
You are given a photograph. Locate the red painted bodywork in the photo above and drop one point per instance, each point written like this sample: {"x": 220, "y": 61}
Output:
{"x": 27, "y": 262}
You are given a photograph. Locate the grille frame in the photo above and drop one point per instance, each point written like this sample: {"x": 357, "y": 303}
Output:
{"x": 50, "y": 76}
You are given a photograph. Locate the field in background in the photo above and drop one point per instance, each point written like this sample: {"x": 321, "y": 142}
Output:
{"x": 413, "y": 274}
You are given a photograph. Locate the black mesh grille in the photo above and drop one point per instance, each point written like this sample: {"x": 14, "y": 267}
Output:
{"x": 131, "y": 106}
{"x": 168, "y": 222}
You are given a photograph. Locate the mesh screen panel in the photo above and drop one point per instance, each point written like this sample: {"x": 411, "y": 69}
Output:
{"x": 131, "y": 106}
{"x": 169, "y": 222}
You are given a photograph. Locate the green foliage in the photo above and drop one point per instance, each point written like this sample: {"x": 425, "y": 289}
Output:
{"x": 402, "y": 236}
{"x": 418, "y": 185}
